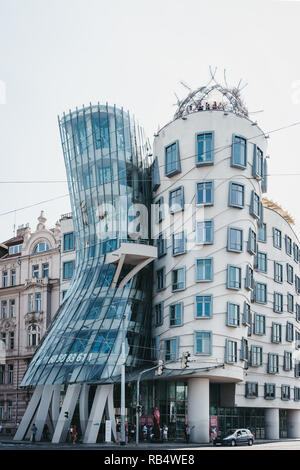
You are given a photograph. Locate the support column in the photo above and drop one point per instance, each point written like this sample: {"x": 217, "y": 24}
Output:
{"x": 63, "y": 423}
{"x": 42, "y": 412}
{"x": 198, "y": 409}
{"x": 29, "y": 413}
{"x": 83, "y": 407}
{"x": 293, "y": 424}
{"x": 272, "y": 423}
{"x": 93, "y": 425}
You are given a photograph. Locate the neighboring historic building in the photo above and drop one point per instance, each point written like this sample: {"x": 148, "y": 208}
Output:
{"x": 67, "y": 254}
{"x": 29, "y": 298}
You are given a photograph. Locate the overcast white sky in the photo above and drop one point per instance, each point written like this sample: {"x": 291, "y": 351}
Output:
{"x": 59, "y": 54}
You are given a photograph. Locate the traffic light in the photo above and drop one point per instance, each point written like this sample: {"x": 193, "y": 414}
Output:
{"x": 66, "y": 414}
{"x": 185, "y": 359}
{"x": 160, "y": 368}
{"x": 139, "y": 408}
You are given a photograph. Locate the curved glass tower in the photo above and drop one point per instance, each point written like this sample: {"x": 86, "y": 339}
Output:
{"x": 107, "y": 168}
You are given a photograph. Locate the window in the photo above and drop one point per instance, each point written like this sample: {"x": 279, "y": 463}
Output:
{"x": 287, "y": 361}
{"x": 290, "y": 303}
{"x": 204, "y": 232}
{"x": 203, "y": 306}
{"x": 204, "y": 193}
{"x": 251, "y": 389}
{"x": 160, "y": 279}
{"x": 204, "y": 149}
{"x": 297, "y": 312}
{"x": 244, "y": 352}
{"x": 40, "y": 247}
{"x": 2, "y": 381}
{"x": 171, "y": 347}
{"x": 204, "y": 270}
{"x": 297, "y": 369}
{"x": 236, "y": 195}
{"x": 251, "y": 245}
{"x": 158, "y": 314}
{"x": 256, "y": 356}
{"x": 261, "y": 293}
{"x": 155, "y": 176}
{"x": 3, "y": 308}
{"x": 35, "y": 271}
{"x": 161, "y": 245}
{"x": 297, "y": 393}
{"x": 261, "y": 262}
{"x": 159, "y": 210}
{"x": 273, "y": 363}
{"x": 296, "y": 252}
{"x": 34, "y": 335}
{"x": 262, "y": 233}
{"x": 29, "y": 303}
{"x": 10, "y": 374}
{"x": 176, "y": 200}
{"x": 234, "y": 277}
{"x": 233, "y": 314}
{"x": 239, "y": 152}
{"x": 259, "y": 324}
{"x": 235, "y": 239}
{"x": 176, "y": 311}
{"x": 203, "y": 342}
{"x": 13, "y": 277}
{"x": 288, "y": 245}
{"x": 38, "y": 301}
{"x": 249, "y": 280}
{"x": 45, "y": 270}
{"x": 289, "y": 274}
{"x": 297, "y": 284}
{"x": 285, "y": 392}
{"x": 255, "y": 205}
{"x": 4, "y": 279}
{"x": 178, "y": 243}
{"x": 68, "y": 267}
{"x": 278, "y": 302}
{"x": 11, "y": 340}
{"x": 276, "y": 333}
{"x": 278, "y": 272}
{"x": 12, "y": 304}
{"x": 68, "y": 243}
{"x": 172, "y": 159}
{"x": 258, "y": 162}
{"x": 178, "y": 279}
{"x": 277, "y": 238}
{"x": 289, "y": 332}
{"x": 230, "y": 351}
{"x": 270, "y": 391}
{"x": 15, "y": 250}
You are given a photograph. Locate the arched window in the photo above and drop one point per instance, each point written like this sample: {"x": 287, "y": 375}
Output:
{"x": 42, "y": 246}
{"x": 34, "y": 335}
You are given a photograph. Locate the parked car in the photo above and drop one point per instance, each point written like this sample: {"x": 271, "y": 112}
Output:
{"x": 234, "y": 437}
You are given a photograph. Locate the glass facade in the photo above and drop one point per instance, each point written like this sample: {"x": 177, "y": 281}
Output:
{"x": 108, "y": 172}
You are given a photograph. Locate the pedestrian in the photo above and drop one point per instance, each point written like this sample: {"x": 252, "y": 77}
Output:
{"x": 165, "y": 433}
{"x": 145, "y": 432}
{"x": 74, "y": 434}
{"x": 118, "y": 428}
{"x": 187, "y": 432}
{"x": 33, "y": 432}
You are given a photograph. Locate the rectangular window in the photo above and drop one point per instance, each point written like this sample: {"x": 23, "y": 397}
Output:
{"x": 233, "y": 314}
{"x": 13, "y": 277}
{"x": 178, "y": 243}
{"x": 255, "y": 205}
{"x": 285, "y": 392}
{"x": 256, "y": 356}
{"x": 297, "y": 312}
{"x": 176, "y": 311}
{"x": 244, "y": 353}
{"x": 235, "y": 239}
{"x": 261, "y": 261}
{"x": 230, "y": 351}
{"x": 204, "y": 232}
{"x": 68, "y": 241}
{"x": 203, "y": 342}
{"x": 178, "y": 279}
{"x": 273, "y": 363}
{"x": 2, "y": 377}
{"x": 10, "y": 374}
{"x": 287, "y": 361}
{"x": 205, "y": 149}
{"x": 296, "y": 252}
{"x": 38, "y": 302}
{"x": 261, "y": 293}
{"x": 204, "y": 193}
{"x": 35, "y": 271}
{"x": 3, "y": 308}
{"x": 204, "y": 270}
{"x": 288, "y": 245}
{"x": 290, "y": 303}
{"x": 239, "y": 152}
{"x": 236, "y": 195}
{"x": 276, "y": 333}
{"x": 4, "y": 279}
{"x": 270, "y": 391}
{"x": 160, "y": 279}
{"x": 251, "y": 390}
{"x": 45, "y": 270}
{"x": 278, "y": 302}
{"x": 277, "y": 242}
{"x": 297, "y": 369}
{"x": 11, "y": 340}
{"x": 249, "y": 280}
{"x": 172, "y": 159}
{"x": 258, "y": 162}
{"x": 251, "y": 245}
{"x": 158, "y": 314}
{"x": 159, "y": 210}
{"x": 161, "y": 245}
{"x": 234, "y": 277}
{"x": 259, "y": 324}
{"x": 68, "y": 268}
{"x": 262, "y": 233}
{"x": 297, "y": 284}
{"x": 289, "y": 273}
{"x": 12, "y": 305}
{"x": 203, "y": 306}
{"x": 171, "y": 347}
{"x": 29, "y": 303}
{"x": 297, "y": 393}
{"x": 289, "y": 332}
{"x": 278, "y": 272}
{"x": 176, "y": 200}
{"x": 15, "y": 249}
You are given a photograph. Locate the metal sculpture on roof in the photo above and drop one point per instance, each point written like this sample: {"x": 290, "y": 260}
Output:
{"x": 213, "y": 96}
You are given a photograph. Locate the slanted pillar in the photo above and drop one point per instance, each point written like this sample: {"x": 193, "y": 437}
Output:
{"x": 29, "y": 413}
{"x": 293, "y": 424}
{"x": 272, "y": 423}
{"x": 63, "y": 423}
{"x": 103, "y": 392}
{"x": 198, "y": 409}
